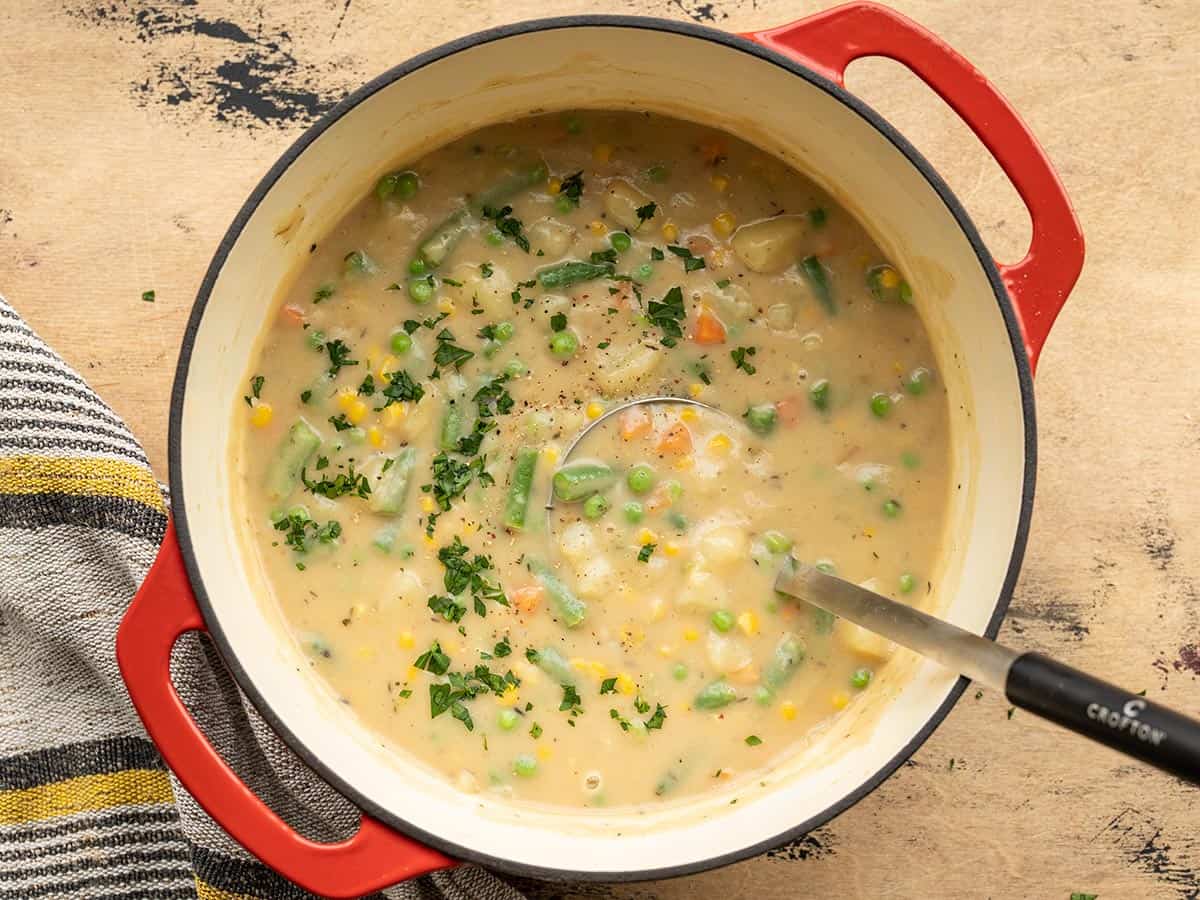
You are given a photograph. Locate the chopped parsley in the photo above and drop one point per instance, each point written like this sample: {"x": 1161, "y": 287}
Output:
{"x": 341, "y": 485}
{"x": 305, "y": 396}
{"x": 400, "y": 386}
{"x": 753, "y": 740}
{"x": 621, "y": 720}
{"x": 451, "y": 281}
{"x": 256, "y": 384}
{"x": 502, "y": 649}
{"x": 324, "y": 292}
{"x": 300, "y": 530}
{"x": 656, "y": 720}
{"x": 451, "y": 478}
{"x": 723, "y": 283}
{"x": 668, "y": 314}
{"x": 411, "y": 325}
{"x": 817, "y": 217}
{"x": 367, "y": 388}
{"x": 339, "y": 356}
{"x": 340, "y": 423}
{"x": 656, "y": 254}
{"x": 148, "y": 296}
{"x": 646, "y": 213}
{"x": 608, "y": 686}
{"x": 645, "y": 552}
{"x": 507, "y": 225}
{"x": 433, "y": 660}
{"x": 448, "y": 353}
{"x": 601, "y": 257}
{"x": 463, "y": 574}
{"x": 535, "y": 731}
{"x": 486, "y": 270}
{"x": 641, "y": 705}
{"x": 447, "y": 608}
{"x": 558, "y": 322}
{"x": 741, "y": 359}
{"x": 572, "y": 187}
{"x": 571, "y": 701}
{"x": 690, "y": 263}
{"x": 462, "y": 686}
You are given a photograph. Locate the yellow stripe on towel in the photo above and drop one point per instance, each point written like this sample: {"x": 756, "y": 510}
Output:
{"x": 97, "y": 477}
{"x": 205, "y": 891}
{"x": 87, "y": 792}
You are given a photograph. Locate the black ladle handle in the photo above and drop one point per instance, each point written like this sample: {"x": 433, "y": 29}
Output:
{"x": 1126, "y": 722}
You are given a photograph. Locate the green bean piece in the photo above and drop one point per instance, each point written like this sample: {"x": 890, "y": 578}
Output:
{"x": 819, "y": 394}
{"x": 388, "y": 493}
{"x": 818, "y": 279}
{"x": 761, "y": 418}
{"x": 437, "y": 244}
{"x": 452, "y": 424}
{"x": 555, "y": 665}
{"x": 789, "y": 654}
{"x": 714, "y": 696}
{"x": 384, "y": 539}
{"x": 356, "y": 262}
{"x": 571, "y": 272}
{"x": 520, "y": 484}
{"x": 570, "y": 608}
{"x": 578, "y": 481}
{"x": 504, "y": 190}
{"x": 283, "y": 474}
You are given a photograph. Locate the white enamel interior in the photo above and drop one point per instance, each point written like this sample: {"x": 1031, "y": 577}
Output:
{"x": 691, "y": 77}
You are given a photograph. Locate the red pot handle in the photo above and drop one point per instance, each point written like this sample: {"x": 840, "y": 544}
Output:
{"x": 830, "y": 41}
{"x": 165, "y": 608}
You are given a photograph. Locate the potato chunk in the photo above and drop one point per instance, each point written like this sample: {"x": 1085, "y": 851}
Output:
{"x": 621, "y": 202}
{"x": 620, "y": 369}
{"x": 493, "y": 293}
{"x": 770, "y": 245}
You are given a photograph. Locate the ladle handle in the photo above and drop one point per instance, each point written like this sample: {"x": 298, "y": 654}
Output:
{"x": 1126, "y": 722}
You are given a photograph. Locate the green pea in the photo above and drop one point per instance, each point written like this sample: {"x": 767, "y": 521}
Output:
{"x": 907, "y": 583}
{"x": 674, "y": 490}
{"x": 881, "y": 404}
{"x": 819, "y": 394}
{"x": 861, "y": 678}
{"x": 504, "y": 331}
{"x": 891, "y": 508}
{"x": 401, "y": 342}
{"x": 595, "y": 506}
{"x": 416, "y": 266}
{"x": 620, "y": 241}
{"x": 826, "y": 566}
{"x": 918, "y": 379}
{"x": 909, "y": 459}
{"x": 420, "y": 290}
{"x": 658, "y": 173}
{"x": 563, "y": 204}
{"x": 564, "y": 343}
{"x": 494, "y": 238}
{"x": 679, "y": 671}
{"x": 524, "y": 765}
{"x": 507, "y": 719}
{"x": 640, "y": 478}
{"x": 777, "y": 542}
{"x": 763, "y": 695}
{"x": 722, "y": 620}
{"x": 403, "y": 185}
{"x": 633, "y": 512}
{"x": 761, "y": 418}
{"x": 514, "y": 368}
{"x": 643, "y": 273}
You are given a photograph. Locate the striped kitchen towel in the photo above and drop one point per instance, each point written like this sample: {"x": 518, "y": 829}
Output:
{"x": 87, "y": 808}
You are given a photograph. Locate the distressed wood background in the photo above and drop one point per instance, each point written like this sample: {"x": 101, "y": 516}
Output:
{"x": 131, "y": 132}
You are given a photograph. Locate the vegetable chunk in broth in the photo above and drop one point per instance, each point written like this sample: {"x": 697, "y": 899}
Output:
{"x": 405, "y": 419}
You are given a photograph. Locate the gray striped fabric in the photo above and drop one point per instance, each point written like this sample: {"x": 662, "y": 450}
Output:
{"x": 87, "y": 808}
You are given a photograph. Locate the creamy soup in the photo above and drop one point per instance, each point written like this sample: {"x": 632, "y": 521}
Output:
{"x": 597, "y": 628}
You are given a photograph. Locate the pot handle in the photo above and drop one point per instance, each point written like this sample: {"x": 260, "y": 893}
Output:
{"x": 829, "y": 41}
{"x": 164, "y": 609}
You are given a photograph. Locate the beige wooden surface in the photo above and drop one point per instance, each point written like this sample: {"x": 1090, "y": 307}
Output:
{"x": 131, "y": 133}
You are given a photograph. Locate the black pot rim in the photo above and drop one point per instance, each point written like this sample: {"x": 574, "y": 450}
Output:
{"x": 178, "y": 501}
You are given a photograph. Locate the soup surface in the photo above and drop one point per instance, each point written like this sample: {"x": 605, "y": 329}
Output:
{"x": 406, "y": 421}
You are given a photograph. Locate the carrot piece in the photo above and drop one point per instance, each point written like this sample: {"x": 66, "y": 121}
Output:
{"x": 677, "y": 439}
{"x": 294, "y": 314}
{"x": 709, "y": 329}
{"x": 788, "y": 410}
{"x": 634, "y": 422}
{"x": 528, "y": 598}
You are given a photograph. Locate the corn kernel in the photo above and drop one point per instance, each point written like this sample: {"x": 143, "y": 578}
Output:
{"x": 427, "y": 504}
{"x": 597, "y": 669}
{"x": 386, "y": 368}
{"x": 602, "y": 153}
{"x": 509, "y": 697}
{"x": 748, "y": 622}
{"x": 412, "y": 674}
{"x": 365, "y": 653}
{"x": 787, "y": 709}
{"x": 719, "y": 443}
{"x": 839, "y": 700}
{"x": 355, "y": 409}
{"x": 691, "y": 634}
{"x": 686, "y": 462}
{"x": 550, "y": 453}
{"x": 720, "y": 182}
{"x": 869, "y": 532}
{"x": 670, "y": 548}
{"x": 695, "y": 389}
{"x": 445, "y": 305}
{"x": 345, "y": 399}
{"x": 261, "y": 415}
{"x": 594, "y": 410}
{"x": 578, "y": 662}
{"x": 670, "y": 231}
{"x": 724, "y": 224}
{"x": 889, "y": 278}
{"x": 666, "y": 650}
{"x": 555, "y": 185}
{"x": 393, "y": 415}
{"x": 625, "y": 685}
{"x": 375, "y": 436}
{"x": 544, "y": 752}
{"x": 688, "y": 415}
{"x": 406, "y": 640}
{"x": 597, "y": 227}
{"x": 896, "y": 367}
{"x": 646, "y": 536}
